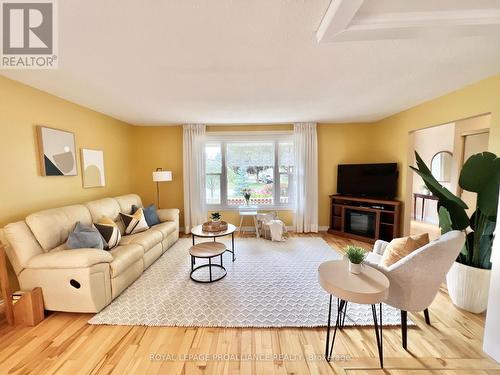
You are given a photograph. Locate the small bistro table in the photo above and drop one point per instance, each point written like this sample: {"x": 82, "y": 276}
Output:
{"x": 244, "y": 212}
{"x": 198, "y": 232}
{"x": 369, "y": 287}
{"x": 207, "y": 250}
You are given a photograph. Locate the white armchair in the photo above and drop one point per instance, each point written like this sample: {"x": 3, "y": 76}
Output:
{"x": 416, "y": 279}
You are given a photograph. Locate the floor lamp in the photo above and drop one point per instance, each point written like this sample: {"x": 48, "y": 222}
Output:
{"x": 160, "y": 176}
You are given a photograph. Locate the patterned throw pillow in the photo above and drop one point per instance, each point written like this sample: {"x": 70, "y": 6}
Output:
{"x": 134, "y": 223}
{"x": 150, "y": 213}
{"x": 109, "y": 232}
{"x": 398, "y": 248}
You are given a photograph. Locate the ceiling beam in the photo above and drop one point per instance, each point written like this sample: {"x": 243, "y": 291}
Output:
{"x": 404, "y": 25}
{"x": 337, "y": 18}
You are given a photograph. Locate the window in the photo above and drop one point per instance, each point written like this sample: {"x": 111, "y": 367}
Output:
{"x": 265, "y": 166}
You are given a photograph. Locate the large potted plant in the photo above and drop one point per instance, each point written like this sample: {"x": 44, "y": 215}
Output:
{"x": 469, "y": 278}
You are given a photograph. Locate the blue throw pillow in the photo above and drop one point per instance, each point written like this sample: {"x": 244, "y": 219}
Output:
{"x": 149, "y": 213}
{"x": 83, "y": 237}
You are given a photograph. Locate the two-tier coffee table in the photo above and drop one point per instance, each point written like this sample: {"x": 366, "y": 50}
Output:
{"x": 198, "y": 232}
{"x": 207, "y": 250}
{"x": 369, "y": 287}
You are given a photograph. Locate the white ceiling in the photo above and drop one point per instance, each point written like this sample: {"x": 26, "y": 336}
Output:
{"x": 240, "y": 61}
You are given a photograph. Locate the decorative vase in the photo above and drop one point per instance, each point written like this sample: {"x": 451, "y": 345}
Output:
{"x": 468, "y": 287}
{"x": 355, "y": 268}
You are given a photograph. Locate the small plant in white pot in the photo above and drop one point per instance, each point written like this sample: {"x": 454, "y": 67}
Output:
{"x": 356, "y": 256}
{"x": 468, "y": 280}
{"x": 215, "y": 216}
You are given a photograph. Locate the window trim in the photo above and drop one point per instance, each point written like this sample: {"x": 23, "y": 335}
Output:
{"x": 243, "y": 137}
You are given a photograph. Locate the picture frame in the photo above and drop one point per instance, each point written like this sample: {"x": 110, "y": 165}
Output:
{"x": 92, "y": 162}
{"x": 57, "y": 152}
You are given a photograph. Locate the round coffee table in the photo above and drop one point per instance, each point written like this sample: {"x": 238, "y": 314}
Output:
{"x": 207, "y": 250}
{"x": 369, "y": 287}
{"x": 198, "y": 232}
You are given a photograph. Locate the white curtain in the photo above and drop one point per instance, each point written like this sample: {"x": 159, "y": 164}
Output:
{"x": 195, "y": 210}
{"x": 306, "y": 177}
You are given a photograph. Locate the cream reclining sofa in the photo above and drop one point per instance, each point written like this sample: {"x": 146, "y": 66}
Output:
{"x": 84, "y": 280}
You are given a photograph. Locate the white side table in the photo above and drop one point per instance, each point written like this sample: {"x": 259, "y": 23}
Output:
{"x": 249, "y": 212}
{"x": 369, "y": 287}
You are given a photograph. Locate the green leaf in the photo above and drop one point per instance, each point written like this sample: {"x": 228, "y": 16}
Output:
{"x": 485, "y": 246}
{"x": 481, "y": 174}
{"x": 444, "y": 220}
{"x": 433, "y": 185}
{"x": 458, "y": 216}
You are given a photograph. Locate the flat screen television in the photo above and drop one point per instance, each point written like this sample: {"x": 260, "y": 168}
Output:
{"x": 368, "y": 180}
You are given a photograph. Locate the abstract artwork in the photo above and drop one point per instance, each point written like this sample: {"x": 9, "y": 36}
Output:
{"x": 57, "y": 152}
{"x": 93, "y": 168}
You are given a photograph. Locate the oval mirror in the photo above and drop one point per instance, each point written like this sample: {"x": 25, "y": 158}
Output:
{"x": 441, "y": 164}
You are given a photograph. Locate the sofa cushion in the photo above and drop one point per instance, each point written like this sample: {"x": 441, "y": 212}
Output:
{"x": 123, "y": 257}
{"x": 146, "y": 239}
{"x": 77, "y": 258}
{"x": 127, "y": 201}
{"x": 84, "y": 237}
{"x": 106, "y": 207}
{"x": 52, "y": 227}
{"x": 165, "y": 228}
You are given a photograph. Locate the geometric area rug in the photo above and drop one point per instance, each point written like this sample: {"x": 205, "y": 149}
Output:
{"x": 271, "y": 284}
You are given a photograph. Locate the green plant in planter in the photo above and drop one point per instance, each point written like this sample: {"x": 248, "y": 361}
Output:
{"x": 480, "y": 174}
{"x": 215, "y": 216}
{"x": 355, "y": 254}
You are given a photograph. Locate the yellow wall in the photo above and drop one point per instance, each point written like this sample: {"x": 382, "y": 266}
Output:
{"x": 162, "y": 147}
{"x": 22, "y": 188}
{"x": 158, "y": 147}
{"x": 132, "y": 153}
{"x": 391, "y": 138}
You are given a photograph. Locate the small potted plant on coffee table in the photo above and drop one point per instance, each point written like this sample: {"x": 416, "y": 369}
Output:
{"x": 356, "y": 256}
{"x": 215, "y": 216}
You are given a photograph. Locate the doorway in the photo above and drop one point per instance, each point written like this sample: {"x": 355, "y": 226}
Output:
{"x": 444, "y": 149}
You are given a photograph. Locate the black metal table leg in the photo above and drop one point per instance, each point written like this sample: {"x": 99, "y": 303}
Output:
{"x": 340, "y": 306}
{"x": 210, "y": 268}
{"x": 379, "y": 334}
{"x": 328, "y": 329}
{"x": 342, "y": 324}
{"x": 232, "y": 244}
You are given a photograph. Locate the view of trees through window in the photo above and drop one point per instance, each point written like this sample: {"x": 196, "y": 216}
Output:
{"x": 265, "y": 168}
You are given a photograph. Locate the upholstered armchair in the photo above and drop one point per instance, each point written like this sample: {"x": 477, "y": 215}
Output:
{"x": 416, "y": 279}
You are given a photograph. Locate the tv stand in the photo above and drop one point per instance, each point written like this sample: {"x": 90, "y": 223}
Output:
{"x": 364, "y": 219}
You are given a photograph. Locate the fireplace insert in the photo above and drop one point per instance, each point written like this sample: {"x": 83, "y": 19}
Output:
{"x": 360, "y": 222}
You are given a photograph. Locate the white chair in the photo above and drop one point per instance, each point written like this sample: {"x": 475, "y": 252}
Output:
{"x": 416, "y": 279}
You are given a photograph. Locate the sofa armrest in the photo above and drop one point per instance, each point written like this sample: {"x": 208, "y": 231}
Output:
{"x": 168, "y": 214}
{"x": 77, "y": 258}
{"x": 379, "y": 247}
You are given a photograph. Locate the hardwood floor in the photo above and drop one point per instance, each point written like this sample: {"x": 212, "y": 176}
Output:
{"x": 64, "y": 343}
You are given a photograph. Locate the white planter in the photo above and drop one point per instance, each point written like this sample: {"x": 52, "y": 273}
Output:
{"x": 355, "y": 268}
{"x": 468, "y": 287}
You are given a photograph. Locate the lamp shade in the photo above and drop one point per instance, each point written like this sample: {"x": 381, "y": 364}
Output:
{"x": 161, "y": 176}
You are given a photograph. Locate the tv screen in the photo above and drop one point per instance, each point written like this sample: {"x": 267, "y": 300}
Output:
{"x": 368, "y": 180}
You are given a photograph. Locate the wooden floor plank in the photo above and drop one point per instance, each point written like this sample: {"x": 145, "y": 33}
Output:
{"x": 65, "y": 344}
